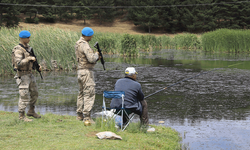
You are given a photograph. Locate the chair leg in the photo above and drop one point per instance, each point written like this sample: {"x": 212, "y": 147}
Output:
{"x": 129, "y": 120}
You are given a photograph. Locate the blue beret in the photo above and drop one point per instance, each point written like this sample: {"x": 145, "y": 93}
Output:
{"x": 87, "y": 31}
{"x": 24, "y": 34}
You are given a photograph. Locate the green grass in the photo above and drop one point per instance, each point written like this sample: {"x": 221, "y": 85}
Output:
{"x": 65, "y": 132}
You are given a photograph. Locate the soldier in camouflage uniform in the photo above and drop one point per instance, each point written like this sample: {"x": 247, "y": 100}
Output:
{"x": 22, "y": 63}
{"x": 86, "y": 59}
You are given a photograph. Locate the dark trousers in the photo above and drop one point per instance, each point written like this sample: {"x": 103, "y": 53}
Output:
{"x": 143, "y": 115}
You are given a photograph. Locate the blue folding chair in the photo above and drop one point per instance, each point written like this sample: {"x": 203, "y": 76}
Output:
{"x": 121, "y": 112}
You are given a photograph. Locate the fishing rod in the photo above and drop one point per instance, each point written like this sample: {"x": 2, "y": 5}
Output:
{"x": 190, "y": 78}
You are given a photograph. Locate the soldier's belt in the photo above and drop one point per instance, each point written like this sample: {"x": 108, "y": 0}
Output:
{"x": 23, "y": 72}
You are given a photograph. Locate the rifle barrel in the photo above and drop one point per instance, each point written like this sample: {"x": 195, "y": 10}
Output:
{"x": 100, "y": 52}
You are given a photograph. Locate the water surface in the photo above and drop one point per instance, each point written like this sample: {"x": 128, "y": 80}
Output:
{"x": 211, "y": 111}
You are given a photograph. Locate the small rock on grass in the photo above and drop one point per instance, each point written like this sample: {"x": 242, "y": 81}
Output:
{"x": 151, "y": 129}
{"x": 108, "y": 135}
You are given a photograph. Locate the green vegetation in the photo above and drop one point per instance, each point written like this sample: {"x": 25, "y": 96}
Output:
{"x": 65, "y": 132}
{"x": 128, "y": 45}
{"x": 196, "y": 16}
{"x": 147, "y": 17}
{"x": 54, "y": 45}
{"x": 226, "y": 40}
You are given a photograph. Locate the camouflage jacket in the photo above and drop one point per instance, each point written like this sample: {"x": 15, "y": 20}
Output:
{"x": 85, "y": 55}
{"x": 20, "y": 60}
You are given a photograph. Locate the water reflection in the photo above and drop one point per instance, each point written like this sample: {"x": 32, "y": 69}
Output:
{"x": 210, "y": 111}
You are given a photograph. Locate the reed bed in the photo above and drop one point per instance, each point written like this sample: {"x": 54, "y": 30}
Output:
{"x": 226, "y": 40}
{"x": 54, "y": 47}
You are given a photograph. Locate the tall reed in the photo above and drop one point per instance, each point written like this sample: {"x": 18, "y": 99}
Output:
{"x": 186, "y": 41}
{"x": 226, "y": 40}
{"x": 54, "y": 47}
{"x": 128, "y": 45}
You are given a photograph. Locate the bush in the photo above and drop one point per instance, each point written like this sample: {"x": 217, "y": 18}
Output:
{"x": 49, "y": 18}
{"x": 186, "y": 41}
{"x": 32, "y": 20}
{"x": 128, "y": 45}
{"x": 36, "y": 20}
{"x": 29, "y": 20}
{"x": 107, "y": 44}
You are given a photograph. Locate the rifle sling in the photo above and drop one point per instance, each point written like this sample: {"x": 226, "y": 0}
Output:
{"x": 25, "y": 48}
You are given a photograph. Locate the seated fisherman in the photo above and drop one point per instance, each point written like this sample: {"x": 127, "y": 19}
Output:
{"x": 134, "y": 97}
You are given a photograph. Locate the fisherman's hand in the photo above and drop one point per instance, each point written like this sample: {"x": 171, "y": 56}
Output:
{"x": 31, "y": 58}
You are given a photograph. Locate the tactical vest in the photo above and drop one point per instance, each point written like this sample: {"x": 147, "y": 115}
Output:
{"x": 81, "y": 58}
{"x": 25, "y": 54}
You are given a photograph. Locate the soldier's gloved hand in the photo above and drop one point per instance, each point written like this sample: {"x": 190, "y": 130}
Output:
{"x": 31, "y": 58}
{"x": 99, "y": 56}
{"x": 40, "y": 68}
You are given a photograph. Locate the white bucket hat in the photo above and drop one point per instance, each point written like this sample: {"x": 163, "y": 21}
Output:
{"x": 130, "y": 71}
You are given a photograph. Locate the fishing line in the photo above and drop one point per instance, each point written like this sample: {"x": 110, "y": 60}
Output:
{"x": 190, "y": 78}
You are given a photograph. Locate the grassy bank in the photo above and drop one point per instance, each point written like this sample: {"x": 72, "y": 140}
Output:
{"x": 65, "y": 132}
{"x": 54, "y": 47}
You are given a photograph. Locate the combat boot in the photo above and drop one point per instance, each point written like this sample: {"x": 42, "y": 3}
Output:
{"x": 88, "y": 118}
{"x": 23, "y": 117}
{"x": 79, "y": 116}
{"x": 32, "y": 112}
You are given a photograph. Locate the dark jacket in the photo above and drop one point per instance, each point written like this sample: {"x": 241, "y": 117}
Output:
{"x": 133, "y": 94}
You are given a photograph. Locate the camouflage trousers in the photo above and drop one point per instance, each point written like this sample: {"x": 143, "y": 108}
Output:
{"x": 28, "y": 92}
{"x": 86, "y": 96}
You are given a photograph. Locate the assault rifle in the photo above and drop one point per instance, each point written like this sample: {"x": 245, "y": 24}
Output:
{"x": 100, "y": 52}
{"x": 35, "y": 64}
